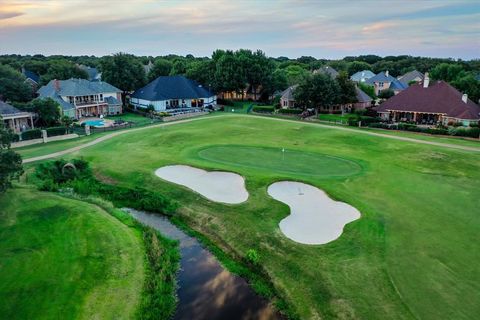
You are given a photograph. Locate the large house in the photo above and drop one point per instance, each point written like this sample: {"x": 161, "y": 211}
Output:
{"x": 362, "y": 76}
{"x": 82, "y": 98}
{"x": 363, "y": 100}
{"x": 423, "y": 103}
{"x": 15, "y": 119}
{"x": 171, "y": 94}
{"x": 31, "y": 78}
{"x": 411, "y": 77}
{"x": 329, "y": 71}
{"x": 384, "y": 81}
{"x": 287, "y": 98}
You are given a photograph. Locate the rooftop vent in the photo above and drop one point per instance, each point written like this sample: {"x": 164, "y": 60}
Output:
{"x": 465, "y": 98}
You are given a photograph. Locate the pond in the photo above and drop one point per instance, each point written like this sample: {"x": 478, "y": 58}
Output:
{"x": 205, "y": 289}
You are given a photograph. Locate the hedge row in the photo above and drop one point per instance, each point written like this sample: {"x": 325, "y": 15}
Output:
{"x": 263, "y": 109}
{"x": 32, "y": 134}
{"x": 290, "y": 111}
{"x": 460, "y": 132}
{"x": 56, "y": 131}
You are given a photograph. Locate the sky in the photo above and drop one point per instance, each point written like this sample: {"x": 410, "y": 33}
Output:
{"x": 293, "y": 28}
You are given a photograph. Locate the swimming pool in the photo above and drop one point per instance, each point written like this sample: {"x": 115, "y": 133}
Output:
{"x": 94, "y": 123}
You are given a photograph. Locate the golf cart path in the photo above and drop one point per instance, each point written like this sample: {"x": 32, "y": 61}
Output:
{"x": 118, "y": 133}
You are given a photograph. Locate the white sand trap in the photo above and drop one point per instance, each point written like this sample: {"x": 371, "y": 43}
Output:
{"x": 218, "y": 186}
{"x": 314, "y": 217}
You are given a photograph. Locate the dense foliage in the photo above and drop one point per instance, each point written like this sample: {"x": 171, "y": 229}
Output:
{"x": 123, "y": 71}
{"x": 13, "y": 86}
{"x": 10, "y": 162}
{"x": 317, "y": 90}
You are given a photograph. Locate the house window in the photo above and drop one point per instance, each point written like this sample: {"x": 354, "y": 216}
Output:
{"x": 380, "y": 84}
{"x": 101, "y": 97}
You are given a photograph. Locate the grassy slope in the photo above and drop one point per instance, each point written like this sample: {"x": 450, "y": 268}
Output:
{"x": 63, "y": 258}
{"x": 411, "y": 254}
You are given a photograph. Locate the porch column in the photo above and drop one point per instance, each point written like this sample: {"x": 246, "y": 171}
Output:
{"x": 31, "y": 121}
{"x": 414, "y": 117}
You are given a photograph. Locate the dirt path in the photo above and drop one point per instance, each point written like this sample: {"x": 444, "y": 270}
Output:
{"x": 118, "y": 133}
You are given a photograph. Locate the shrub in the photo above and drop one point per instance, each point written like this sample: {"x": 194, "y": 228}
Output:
{"x": 56, "y": 131}
{"x": 290, "y": 111}
{"x": 32, "y": 134}
{"x": 224, "y": 102}
{"x": 15, "y": 137}
{"x": 59, "y": 173}
{"x": 263, "y": 109}
{"x": 252, "y": 256}
{"x": 48, "y": 185}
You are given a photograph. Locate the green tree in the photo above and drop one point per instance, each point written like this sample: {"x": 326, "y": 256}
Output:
{"x": 256, "y": 68}
{"x": 201, "y": 71}
{"x": 386, "y": 94}
{"x": 161, "y": 67}
{"x": 316, "y": 91}
{"x": 356, "y": 66}
{"x": 10, "y": 162}
{"x": 123, "y": 71}
{"x": 179, "y": 67}
{"x": 47, "y": 110}
{"x": 368, "y": 89}
{"x": 227, "y": 75}
{"x": 62, "y": 70}
{"x": 446, "y": 72}
{"x": 295, "y": 74}
{"x": 347, "y": 93}
{"x": 13, "y": 86}
{"x": 466, "y": 83}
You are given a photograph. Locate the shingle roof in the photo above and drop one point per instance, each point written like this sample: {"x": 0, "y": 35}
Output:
{"x": 328, "y": 71}
{"x": 31, "y": 75}
{"x": 287, "y": 94}
{"x": 5, "y": 108}
{"x": 93, "y": 74}
{"x": 171, "y": 87}
{"x": 362, "y": 76}
{"x": 362, "y": 96}
{"x": 410, "y": 76}
{"x": 440, "y": 97}
{"x": 383, "y": 77}
{"x": 77, "y": 87}
{"x": 111, "y": 100}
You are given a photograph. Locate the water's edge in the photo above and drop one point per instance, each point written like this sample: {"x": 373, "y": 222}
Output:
{"x": 205, "y": 289}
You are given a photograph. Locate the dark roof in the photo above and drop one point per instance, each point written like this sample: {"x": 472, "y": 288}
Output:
{"x": 31, "y": 75}
{"x": 328, "y": 71}
{"x": 5, "y": 108}
{"x": 172, "y": 87}
{"x": 93, "y": 74}
{"x": 111, "y": 100}
{"x": 410, "y": 76}
{"x": 383, "y": 77}
{"x": 76, "y": 87}
{"x": 440, "y": 97}
{"x": 287, "y": 94}
{"x": 362, "y": 96}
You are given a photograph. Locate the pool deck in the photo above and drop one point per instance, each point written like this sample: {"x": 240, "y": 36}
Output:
{"x": 106, "y": 122}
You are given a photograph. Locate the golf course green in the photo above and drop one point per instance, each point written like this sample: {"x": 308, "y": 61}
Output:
{"x": 412, "y": 254}
{"x": 66, "y": 259}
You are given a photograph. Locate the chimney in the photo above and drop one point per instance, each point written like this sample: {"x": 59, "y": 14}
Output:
{"x": 465, "y": 98}
{"x": 386, "y": 73}
{"x": 426, "y": 80}
{"x": 56, "y": 85}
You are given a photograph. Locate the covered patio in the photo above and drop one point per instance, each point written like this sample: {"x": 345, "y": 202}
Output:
{"x": 427, "y": 118}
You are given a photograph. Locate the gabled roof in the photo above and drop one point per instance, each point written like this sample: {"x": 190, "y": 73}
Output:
{"x": 440, "y": 97}
{"x": 111, "y": 100}
{"x": 362, "y": 76}
{"x": 6, "y": 108}
{"x": 328, "y": 71}
{"x": 287, "y": 94}
{"x": 172, "y": 87}
{"x": 362, "y": 96}
{"x": 410, "y": 76}
{"x": 384, "y": 77}
{"x": 93, "y": 73}
{"x": 76, "y": 87}
{"x": 31, "y": 75}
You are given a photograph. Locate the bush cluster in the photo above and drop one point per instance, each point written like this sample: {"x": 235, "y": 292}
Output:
{"x": 473, "y": 132}
{"x": 56, "y": 131}
{"x": 31, "y": 134}
{"x": 224, "y": 102}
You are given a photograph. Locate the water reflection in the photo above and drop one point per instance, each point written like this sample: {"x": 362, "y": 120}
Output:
{"x": 206, "y": 290}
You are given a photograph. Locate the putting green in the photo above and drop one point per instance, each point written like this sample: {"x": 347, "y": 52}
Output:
{"x": 287, "y": 161}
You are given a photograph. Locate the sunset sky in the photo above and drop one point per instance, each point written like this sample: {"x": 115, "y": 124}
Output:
{"x": 323, "y": 29}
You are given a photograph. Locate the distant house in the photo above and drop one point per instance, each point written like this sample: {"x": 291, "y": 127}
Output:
{"x": 384, "y": 81}
{"x": 287, "y": 98}
{"x": 173, "y": 93}
{"x": 362, "y": 76}
{"x": 329, "y": 71}
{"x": 363, "y": 100}
{"x": 412, "y": 76}
{"x": 148, "y": 67}
{"x": 430, "y": 104}
{"x": 31, "y": 78}
{"x": 15, "y": 119}
{"x": 82, "y": 98}
{"x": 93, "y": 73}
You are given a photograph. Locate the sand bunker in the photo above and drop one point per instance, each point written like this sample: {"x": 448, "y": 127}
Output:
{"x": 218, "y": 186}
{"x": 314, "y": 217}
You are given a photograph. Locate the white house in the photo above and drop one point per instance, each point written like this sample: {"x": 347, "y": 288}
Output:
{"x": 173, "y": 93}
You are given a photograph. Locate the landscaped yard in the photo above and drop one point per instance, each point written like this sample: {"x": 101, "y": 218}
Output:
{"x": 131, "y": 117}
{"x": 412, "y": 254}
{"x": 66, "y": 259}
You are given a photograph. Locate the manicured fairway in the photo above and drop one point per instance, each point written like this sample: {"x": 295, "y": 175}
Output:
{"x": 65, "y": 259}
{"x": 412, "y": 254}
{"x": 281, "y": 160}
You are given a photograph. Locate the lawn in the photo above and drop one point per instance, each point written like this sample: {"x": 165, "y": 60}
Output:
{"x": 66, "y": 259}
{"x": 412, "y": 254}
{"x": 336, "y": 117}
{"x": 131, "y": 117}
